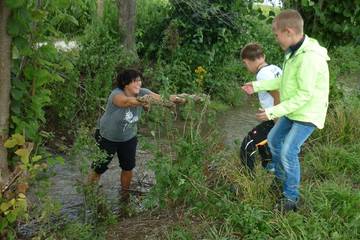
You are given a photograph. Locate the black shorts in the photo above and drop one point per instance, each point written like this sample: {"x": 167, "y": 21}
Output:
{"x": 126, "y": 152}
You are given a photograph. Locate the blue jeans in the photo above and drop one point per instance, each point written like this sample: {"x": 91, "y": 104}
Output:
{"x": 285, "y": 140}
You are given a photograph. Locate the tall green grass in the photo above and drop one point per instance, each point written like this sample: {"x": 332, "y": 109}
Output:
{"x": 208, "y": 183}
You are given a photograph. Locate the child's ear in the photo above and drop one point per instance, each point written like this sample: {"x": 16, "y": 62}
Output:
{"x": 289, "y": 31}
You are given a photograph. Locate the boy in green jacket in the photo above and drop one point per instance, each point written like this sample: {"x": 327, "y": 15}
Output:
{"x": 304, "y": 91}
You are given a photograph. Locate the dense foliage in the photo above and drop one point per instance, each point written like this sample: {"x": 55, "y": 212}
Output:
{"x": 334, "y": 22}
{"x": 193, "y": 47}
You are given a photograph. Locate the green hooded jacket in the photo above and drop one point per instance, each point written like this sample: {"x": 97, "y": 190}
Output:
{"x": 303, "y": 86}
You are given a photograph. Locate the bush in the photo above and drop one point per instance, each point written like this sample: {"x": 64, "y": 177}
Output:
{"x": 342, "y": 65}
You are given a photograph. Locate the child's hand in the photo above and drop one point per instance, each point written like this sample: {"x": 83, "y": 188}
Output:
{"x": 248, "y": 88}
{"x": 261, "y": 115}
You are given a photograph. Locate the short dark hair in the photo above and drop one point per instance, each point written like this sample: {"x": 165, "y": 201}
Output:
{"x": 126, "y": 77}
{"x": 252, "y": 51}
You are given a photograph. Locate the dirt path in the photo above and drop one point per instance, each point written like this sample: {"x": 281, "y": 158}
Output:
{"x": 143, "y": 226}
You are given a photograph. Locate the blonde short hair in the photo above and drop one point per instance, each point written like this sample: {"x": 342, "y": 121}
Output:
{"x": 289, "y": 19}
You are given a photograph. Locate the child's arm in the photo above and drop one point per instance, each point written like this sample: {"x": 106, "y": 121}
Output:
{"x": 256, "y": 86}
{"x": 305, "y": 81}
{"x": 276, "y": 95}
{"x": 267, "y": 85}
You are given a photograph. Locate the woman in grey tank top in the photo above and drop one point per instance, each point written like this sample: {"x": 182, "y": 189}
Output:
{"x": 117, "y": 128}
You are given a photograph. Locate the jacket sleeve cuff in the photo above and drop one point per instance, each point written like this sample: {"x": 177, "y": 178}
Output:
{"x": 255, "y": 85}
{"x": 270, "y": 113}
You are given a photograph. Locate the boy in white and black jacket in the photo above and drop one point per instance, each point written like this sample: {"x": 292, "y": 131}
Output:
{"x": 254, "y": 60}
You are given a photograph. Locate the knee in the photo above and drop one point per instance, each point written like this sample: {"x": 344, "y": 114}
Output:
{"x": 99, "y": 168}
{"x": 129, "y": 166}
{"x": 289, "y": 156}
{"x": 273, "y": 142}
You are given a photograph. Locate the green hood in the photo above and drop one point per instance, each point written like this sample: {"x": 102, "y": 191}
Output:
{"x": 312, "y": 45}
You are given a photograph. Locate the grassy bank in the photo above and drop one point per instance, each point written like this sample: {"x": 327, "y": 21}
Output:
{"x": 208, "y": 183}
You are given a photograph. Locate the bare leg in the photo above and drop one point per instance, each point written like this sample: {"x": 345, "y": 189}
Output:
{"x": 125, "y": 180}
{"x": 93, "y": 177}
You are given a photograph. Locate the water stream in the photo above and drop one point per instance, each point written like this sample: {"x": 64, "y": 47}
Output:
{"x": 234, "y": 125}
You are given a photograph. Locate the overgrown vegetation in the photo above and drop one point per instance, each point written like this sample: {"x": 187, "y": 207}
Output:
{"x": 216, "y": 191}
{"x": 182, "y": 46}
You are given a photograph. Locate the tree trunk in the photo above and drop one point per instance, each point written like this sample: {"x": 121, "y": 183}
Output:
{"x": 315, "y": 22}
{"x": 127, "y": 19}
{"x": 100, "y": 9}
{"x": 5, "y": 86}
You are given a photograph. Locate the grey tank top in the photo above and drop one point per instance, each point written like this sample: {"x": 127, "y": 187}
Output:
{"x": 119, "y": 124}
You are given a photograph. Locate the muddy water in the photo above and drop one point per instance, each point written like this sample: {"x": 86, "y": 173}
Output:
{"x": 234, "y": 125}
{"x": 64, "y": 184}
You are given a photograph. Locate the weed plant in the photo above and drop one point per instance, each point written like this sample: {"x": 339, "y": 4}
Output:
{"x": 208, "y": 182}
{"x": 94, "y": 214}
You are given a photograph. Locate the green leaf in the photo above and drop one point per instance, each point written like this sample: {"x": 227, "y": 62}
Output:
{"x": 5, "y": 206}
{"x": 23, "y": 46}
{"x": 261, "y": 17}
{"x": 62, "y": 4}
{"x": 68, "y": 65}
{"x": 48, "y": 51}
{"x": 13, "y": 4}
{"x": 337, "y": 27}
{"x": 42, "y": 77}
{"x": 305, "y": 3}
{"x": 11, "y": 217}
{"x": 347, "y": 13}
{"x": 38, "y": 15}
{"x": 29, "y": 72}
{"x": 72, "y": 20}
{"x": 16, "y": 139}
{"x": 15, "y": 54}
{"x": 23, "y": 16}
{"x": 21, "y": 195}
{"x": 58, "y": 78}
{"x": 17, "y": 83}
{"x": 59, "y": 160}
{"x": 16, "y": 108}
{"x": 36, "y": 158}
{"x": 269, "y": 20}
{"x": 14, "y": 27}
{"x": 3, "y": 224}
{"x": 19, "y": 23}
{"x": 24, "y": 154}
{"x": 17, "y": 94}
